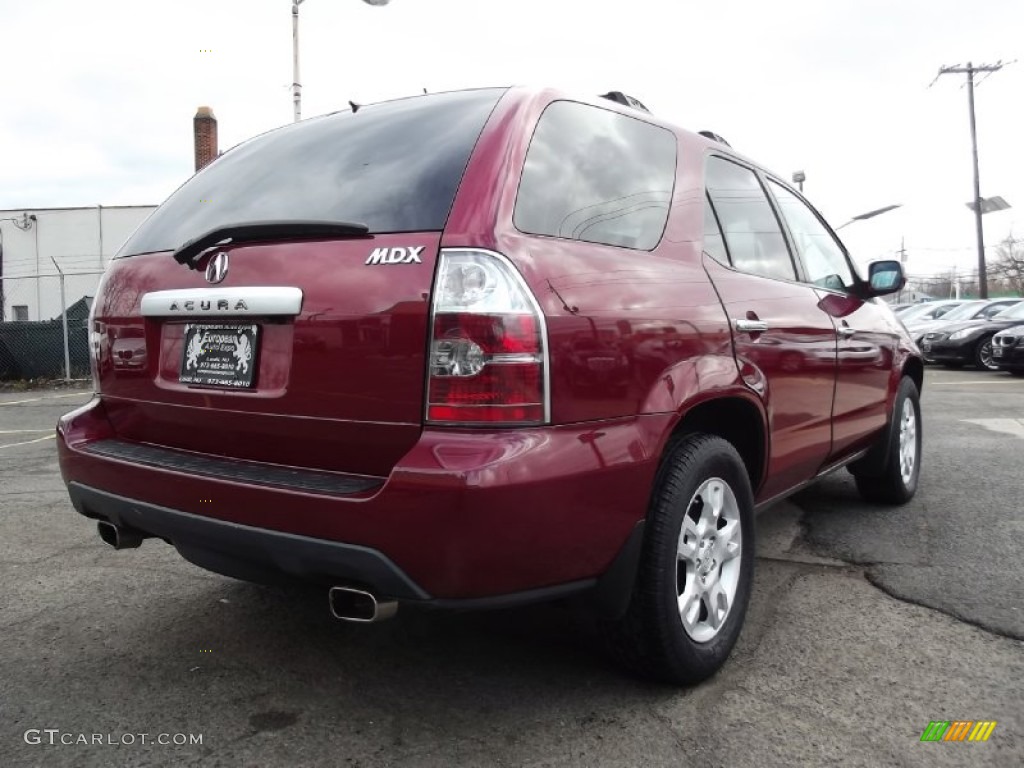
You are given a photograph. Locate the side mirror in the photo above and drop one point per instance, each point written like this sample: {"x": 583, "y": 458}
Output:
{"x": 885, "y": 277}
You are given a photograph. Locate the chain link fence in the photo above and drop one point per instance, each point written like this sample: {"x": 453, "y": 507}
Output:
{"x": 44, "y": 330}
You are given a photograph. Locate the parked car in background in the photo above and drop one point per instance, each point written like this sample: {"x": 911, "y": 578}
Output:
{"x": 898, "y": 309}
{"x": 1008, "y": 350}
{"x": 486, "y": 348}
{"x": 929, "y": 310}
{"x": 970, "y": 341}
{"x": 975, "y": 309}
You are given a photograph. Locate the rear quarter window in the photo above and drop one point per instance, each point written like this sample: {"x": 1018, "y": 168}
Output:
{"x": 597, "y": 176}
{"x": 394, "y": 166}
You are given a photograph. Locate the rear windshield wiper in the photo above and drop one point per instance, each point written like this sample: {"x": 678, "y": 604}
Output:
{"x": 190, "y": 252}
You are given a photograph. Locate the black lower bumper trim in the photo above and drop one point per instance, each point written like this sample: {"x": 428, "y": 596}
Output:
{"x": 314, "y": 481}
{"x": 250, "y": 553}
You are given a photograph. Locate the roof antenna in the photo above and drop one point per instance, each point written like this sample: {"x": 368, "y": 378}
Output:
{"x": 355, "y": 107}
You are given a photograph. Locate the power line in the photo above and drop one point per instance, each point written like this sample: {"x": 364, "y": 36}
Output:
{"x": 970, "y": 70}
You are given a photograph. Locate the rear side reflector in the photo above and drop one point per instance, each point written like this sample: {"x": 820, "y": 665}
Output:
{"x": 488, "y": 348}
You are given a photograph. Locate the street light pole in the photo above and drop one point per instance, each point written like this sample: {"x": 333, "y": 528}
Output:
{"x": 296, "y": 85}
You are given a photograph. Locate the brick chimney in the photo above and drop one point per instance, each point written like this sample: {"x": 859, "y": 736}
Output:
{"x": 205, "y": 126}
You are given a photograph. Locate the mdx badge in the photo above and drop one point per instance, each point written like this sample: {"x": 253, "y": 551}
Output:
{"x": 217, "y": 269}
{"x": 393, "y": 256}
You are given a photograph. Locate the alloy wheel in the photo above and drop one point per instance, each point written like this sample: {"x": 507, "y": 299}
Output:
{"x": 908, "y": 441}
{"x": 708, "y": 560}
{"x": 985, "y": 356}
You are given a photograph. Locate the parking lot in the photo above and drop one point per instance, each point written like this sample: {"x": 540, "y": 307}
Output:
{"x": 866, "y": 624}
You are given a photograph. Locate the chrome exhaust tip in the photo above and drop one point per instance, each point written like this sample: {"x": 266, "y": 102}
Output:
{"x": 119, "y": 537}
{"x": 360, "y": 606}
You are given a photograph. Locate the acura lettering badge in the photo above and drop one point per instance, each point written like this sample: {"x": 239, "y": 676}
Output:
{"x": 217, "y": 269}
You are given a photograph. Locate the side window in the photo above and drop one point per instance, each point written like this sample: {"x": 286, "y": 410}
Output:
{"x": 595, "y": 175}
{"x": 995, "y": 309}
{"x": 752, "y": 233}
{"x": 823, "y": 258}
{"x": 714, "y": 244}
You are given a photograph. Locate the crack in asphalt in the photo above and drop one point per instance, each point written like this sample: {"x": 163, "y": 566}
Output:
{"x": 875, "y": 580}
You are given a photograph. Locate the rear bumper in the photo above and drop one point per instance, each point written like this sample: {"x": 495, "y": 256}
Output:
{"x": 464, "y": 516}
{"x": 246, "y": 552}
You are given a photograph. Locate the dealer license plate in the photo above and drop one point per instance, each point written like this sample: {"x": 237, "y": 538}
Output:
{"x": 219, "y": 355}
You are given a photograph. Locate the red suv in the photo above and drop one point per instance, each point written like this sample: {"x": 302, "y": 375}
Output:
{"x": 485, "y": 348}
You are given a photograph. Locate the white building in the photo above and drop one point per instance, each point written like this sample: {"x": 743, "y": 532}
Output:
{"x": 38, "y": 243}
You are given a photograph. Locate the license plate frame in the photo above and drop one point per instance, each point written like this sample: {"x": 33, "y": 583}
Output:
{"x": 997, "y": 351}
{"x": 219, "y": 355}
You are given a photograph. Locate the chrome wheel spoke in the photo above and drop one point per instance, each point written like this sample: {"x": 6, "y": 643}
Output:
{"x": 716, "y": 601}
{"x": 689, "y": 610}
{"x": 689, "y": 539}
{"x": 729, "y": 541}
{"x": 714, "y": 500}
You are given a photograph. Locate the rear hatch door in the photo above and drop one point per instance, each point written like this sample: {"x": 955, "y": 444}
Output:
{"x": 273, "y": 339}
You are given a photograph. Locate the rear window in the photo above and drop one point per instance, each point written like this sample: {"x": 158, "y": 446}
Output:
{"x": 394, "y": 166}
{"x": 596, "y": 175}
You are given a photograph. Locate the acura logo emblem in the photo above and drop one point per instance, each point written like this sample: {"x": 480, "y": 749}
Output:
{"x": 217, "y": 269}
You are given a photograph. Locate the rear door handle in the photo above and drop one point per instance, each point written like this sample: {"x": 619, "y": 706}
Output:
{"x": 750, "y": 326}
{"x": 846, "y": 331}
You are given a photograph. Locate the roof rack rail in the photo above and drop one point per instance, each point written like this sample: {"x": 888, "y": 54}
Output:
{"x": 714, "y": 137}
{"x": 621, "y": 98}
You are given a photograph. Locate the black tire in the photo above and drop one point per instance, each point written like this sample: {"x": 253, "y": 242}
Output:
{"x": 890, "y": 486}
{"x": 983, "y": 355}
{"x": 650, "y": 639}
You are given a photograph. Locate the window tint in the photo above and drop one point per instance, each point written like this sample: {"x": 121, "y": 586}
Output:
{"x": 752, "y": 233}
{"x": 1013, "y": 312}
{"x": 823, "y": 259}
{"x": 963, "y": 312}
{"x": 995, "y": 309}
{"x": 714, "y": 244}
{"x": 597, "y": 176}
{"x": 393, "y": 166}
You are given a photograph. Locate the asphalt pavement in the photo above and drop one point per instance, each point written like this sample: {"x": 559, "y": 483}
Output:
{"x": 865, "y": 625}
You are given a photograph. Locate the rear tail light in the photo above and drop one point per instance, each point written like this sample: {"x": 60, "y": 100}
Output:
{"x": 488, "y": 346}
{"x": 97, "y": 330}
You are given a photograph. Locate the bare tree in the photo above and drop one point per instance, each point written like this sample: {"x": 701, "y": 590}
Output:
{"x": 1007, "y": 267}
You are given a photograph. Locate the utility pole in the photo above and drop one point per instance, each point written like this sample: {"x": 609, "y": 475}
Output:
{"x": 970, "y": 70}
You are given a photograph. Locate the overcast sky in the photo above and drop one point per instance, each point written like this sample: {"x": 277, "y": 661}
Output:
{"x": 99, "y": 96}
